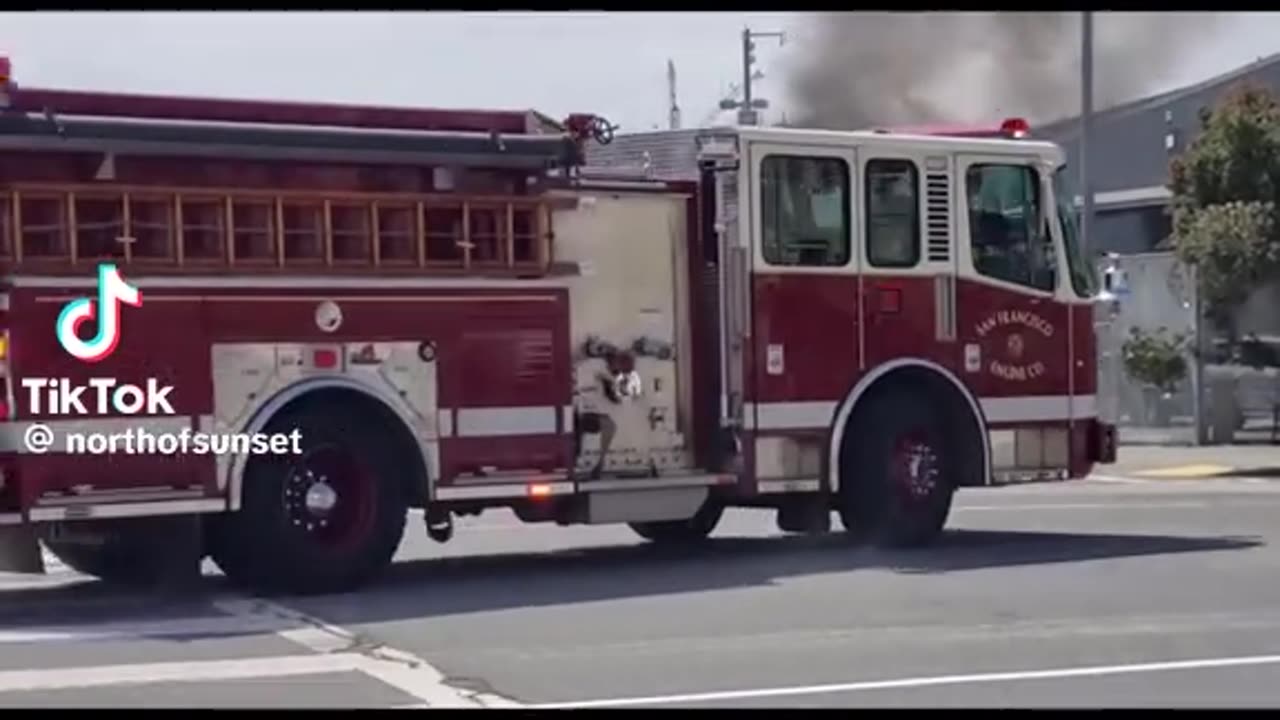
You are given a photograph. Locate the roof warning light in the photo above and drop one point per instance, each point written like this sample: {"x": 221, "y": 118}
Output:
{"x": 1016, "y": 128}
{"x": 6, "y": 79}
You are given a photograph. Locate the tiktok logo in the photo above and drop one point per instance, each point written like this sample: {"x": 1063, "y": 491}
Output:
{"x": 112, "y": 290}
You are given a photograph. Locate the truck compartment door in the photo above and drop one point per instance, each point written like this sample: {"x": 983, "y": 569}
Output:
{"x": 803, "y": 341}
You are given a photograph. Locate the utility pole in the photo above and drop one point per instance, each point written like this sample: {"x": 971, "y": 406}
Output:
{"x": 748, "y": 108}
{"x": 1086, "y": 125}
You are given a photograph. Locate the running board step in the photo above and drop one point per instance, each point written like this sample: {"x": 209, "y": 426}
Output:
{"x": 545, "y": 486}
{"x": 1022, "y": 477}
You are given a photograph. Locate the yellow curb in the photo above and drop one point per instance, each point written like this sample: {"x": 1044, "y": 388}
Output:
{"x": 1185, "y": 471}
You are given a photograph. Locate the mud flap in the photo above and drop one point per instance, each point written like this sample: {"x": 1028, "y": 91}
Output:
{"x": 20, "y": 550}
{"x": 1102, "y": 443}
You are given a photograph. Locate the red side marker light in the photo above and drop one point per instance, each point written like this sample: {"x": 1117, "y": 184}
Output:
{"x": 890, "y": 300}
{"x": 539, "y": 490}
{"x": 325, "y": 359}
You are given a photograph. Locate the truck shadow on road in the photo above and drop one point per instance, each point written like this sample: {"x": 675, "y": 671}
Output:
{"x": 474, "y": 583}
{"x": 438, "y": 587}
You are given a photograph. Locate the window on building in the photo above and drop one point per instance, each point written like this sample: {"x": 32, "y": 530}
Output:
{"x": 893, "y": 213}
{"x": 1008, "y": 231}
{"x": 804, "y": 205}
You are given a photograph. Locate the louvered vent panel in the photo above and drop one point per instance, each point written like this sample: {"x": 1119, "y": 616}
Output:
{"x": 938, "y": 216}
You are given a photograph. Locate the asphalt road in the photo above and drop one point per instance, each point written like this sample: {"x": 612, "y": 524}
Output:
{"x": 1163, "y": 593}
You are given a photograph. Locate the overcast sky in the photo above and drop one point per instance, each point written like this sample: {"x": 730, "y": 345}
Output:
{"x": 609, "y": 63}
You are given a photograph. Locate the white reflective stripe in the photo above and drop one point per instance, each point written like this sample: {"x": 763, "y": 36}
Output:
{"x": 136, "y": 509}
{"x": 765, "y": 487}
{"x": 1084, "y": 406}
{"x": 444, "y": 423}
{"x": 12, "y": 435}
{"x": 501, "y": 421}
{"x": 818, "y": 414}
{"x": 1038, "y": 408}
{"x": 568, "y": 419}
{"x": 676, "y": 481}
{"x": 789, "y": 415}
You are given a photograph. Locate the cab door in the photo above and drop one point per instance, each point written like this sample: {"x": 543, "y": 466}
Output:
{"x": 804, "y": 284}
{"x": 1013, "y": 322}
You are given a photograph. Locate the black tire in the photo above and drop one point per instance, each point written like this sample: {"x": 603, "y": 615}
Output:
{"x": 672, "y": 532}
{"x": 885, "y": 499}
{"x": 276, "y": 542}
{"x": 148, "y": 551}
{"x": 116, "y": 560}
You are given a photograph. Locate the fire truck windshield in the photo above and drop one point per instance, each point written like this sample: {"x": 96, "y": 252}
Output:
{"x": 1081, "y": 270}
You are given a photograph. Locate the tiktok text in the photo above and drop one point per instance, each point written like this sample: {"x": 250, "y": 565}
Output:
{"x": 41, "y": 439}
{"x": 101, "y": 396}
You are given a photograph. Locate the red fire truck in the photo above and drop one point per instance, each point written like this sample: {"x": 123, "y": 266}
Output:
{"x": 451, "y": 313}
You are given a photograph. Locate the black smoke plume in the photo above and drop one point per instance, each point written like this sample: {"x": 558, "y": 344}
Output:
{"x": 861, "y": 70}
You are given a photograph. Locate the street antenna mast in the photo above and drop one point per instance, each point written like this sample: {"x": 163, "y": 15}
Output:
{"x": 672, "y": 104}
{"x": 749, "y": 107}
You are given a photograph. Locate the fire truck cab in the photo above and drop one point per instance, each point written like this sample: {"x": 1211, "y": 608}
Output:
{"x": 453, "y": 314}
{"x": 908, "y": 306}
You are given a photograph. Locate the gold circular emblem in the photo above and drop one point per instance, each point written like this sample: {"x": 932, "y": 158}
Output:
{"x": 1015, "y": 346}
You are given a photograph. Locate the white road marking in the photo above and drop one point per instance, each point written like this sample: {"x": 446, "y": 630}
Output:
{"x": 1118, "y": 479}
{"x": 141, "y": 630}
{"x": 404, "y": 671}
{"x": 198, "y": 671}
{"x": 1097, "y": 671}
{"x": 1085, "y": 506}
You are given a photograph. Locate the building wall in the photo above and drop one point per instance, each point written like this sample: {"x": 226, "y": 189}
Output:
{"x": 1131, "y": 230}
{"x": 1128, "y": 143}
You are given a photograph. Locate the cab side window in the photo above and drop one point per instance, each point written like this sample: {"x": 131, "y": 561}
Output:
{"x": 1008, "y": 228}
{"x": 893, "y": 213}
{"x": 804, "y": 204}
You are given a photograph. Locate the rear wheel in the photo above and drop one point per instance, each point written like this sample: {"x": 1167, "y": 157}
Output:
{"x": 326, "y": 520}
{"x": 900, "y": 471}
{"x": 146, "y": 551}
{"x": 111, "y": 557}
{"x": 695, "y": 529}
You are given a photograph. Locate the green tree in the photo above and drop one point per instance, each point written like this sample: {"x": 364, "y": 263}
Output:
{"x": 1155, "y": 359}
{"x": 1225, "y": 187}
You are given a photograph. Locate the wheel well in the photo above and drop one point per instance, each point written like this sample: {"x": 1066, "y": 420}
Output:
{"x": 368, "y": 409}
{"x": 964, "y": 427}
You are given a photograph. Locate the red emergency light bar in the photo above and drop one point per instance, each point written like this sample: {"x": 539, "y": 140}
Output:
{"x": 6, "y": 81}
{"x": 1016, "y": 128}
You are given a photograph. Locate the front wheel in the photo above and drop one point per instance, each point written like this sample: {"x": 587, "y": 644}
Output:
{"x": 326, "y": 520}
{"x": 899, "y": 472}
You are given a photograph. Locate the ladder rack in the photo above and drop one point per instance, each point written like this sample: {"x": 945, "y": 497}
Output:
{"x": 47, "y": 226}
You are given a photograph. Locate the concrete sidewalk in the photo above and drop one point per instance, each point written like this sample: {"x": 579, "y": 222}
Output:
{"x": 1177, "y": 462}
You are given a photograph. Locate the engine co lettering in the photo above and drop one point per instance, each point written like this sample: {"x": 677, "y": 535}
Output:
{"x": 1016, "y": 373}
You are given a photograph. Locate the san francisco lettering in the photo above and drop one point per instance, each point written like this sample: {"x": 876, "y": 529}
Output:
{"x": 1004, "y": 318}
